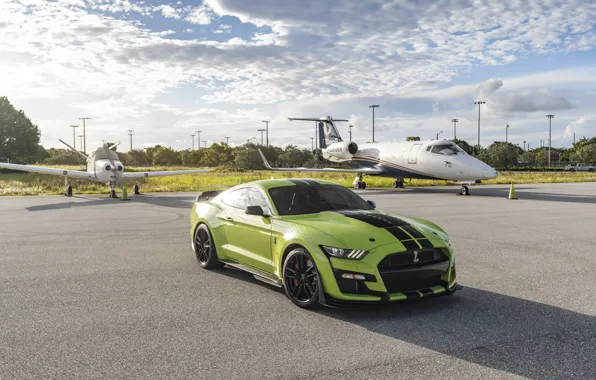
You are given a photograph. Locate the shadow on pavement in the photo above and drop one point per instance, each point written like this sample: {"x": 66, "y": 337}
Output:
{"x": 184, "y": 202}
{"x": 506, "y": 333}
{"x": 524, "y": 193}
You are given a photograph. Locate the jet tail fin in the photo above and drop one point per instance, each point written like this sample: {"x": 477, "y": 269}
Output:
{"x": 74, "y": 150}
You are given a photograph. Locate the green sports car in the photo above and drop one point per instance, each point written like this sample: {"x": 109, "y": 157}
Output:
{"x": 322, "y": 243}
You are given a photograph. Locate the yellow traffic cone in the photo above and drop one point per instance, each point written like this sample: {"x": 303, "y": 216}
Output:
{"x": 124, "y": 194}
{"x": 511, "y": 192}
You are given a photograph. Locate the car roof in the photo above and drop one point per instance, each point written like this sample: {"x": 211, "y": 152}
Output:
{"x": 282, "y": 182}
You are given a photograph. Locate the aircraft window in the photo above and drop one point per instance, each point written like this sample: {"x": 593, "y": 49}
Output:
{"x": 428, "y": 148}
{"x": 235, "y": 199}
{"x": 447, "y": 149}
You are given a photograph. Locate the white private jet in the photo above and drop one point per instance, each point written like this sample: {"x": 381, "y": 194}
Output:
{"x": 435, "y": 159}
{"x": 103, "y": 165}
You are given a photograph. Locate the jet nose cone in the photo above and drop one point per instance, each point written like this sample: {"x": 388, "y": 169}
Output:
{"x": 490, "y": 173}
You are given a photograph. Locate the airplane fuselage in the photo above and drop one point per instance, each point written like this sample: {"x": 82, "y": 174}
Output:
{"x": 414, "y": 159}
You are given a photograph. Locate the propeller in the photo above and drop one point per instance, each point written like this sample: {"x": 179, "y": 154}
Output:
{"x": 119, "y": 179}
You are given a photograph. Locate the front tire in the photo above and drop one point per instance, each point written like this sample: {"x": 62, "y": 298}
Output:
{"x": 301, "y": 279}
{"x": 205, "y": 250}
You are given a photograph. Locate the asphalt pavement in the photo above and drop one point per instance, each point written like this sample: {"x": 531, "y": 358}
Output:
{"x": 92, "y": 287}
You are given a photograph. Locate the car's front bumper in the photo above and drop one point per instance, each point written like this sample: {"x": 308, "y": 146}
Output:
{"x": 388, "y": 283}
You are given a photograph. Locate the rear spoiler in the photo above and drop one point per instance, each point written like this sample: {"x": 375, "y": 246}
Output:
{"x": 207, "y": 195}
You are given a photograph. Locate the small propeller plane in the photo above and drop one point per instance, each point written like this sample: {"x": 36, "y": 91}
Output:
{"x": 434, "y": 159}
{"x": 103, "y": 165}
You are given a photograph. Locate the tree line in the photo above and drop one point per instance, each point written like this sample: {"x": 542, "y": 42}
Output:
{"x": 20, "y": 143}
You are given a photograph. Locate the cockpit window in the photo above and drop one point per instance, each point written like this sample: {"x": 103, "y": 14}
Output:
{"x": 446, "y": 149}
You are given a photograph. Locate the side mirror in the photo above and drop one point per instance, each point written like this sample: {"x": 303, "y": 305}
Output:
{"x": 255, "y": 210}
{"x": 372, "y": 203}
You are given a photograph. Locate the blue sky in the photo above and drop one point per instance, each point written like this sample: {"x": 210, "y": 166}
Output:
{"x": 168, "y": 68}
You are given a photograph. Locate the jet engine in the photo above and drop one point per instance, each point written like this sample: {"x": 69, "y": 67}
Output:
{"x": 342, "y": 150}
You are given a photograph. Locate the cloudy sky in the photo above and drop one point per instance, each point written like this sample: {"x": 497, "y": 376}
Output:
{"x": 168, "y": 68}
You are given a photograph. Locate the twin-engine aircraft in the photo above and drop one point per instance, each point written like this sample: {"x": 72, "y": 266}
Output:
{"x": 103, "y": 165}
{"x": 434, "y": 160}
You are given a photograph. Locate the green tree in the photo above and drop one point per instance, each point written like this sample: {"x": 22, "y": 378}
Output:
{"x": 19, "y": 137}
{"x": 413, "y": 138}
{"x": 588, "y": 154}
{"x": 166, "y": 156}
{"x": 464, "y": 145}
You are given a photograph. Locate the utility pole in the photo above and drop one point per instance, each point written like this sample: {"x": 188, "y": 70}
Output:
{"x": 550, "y": 117}
{"x": 479, "y": 102}
{"x": 312, "y": 143}
{"x": 81, "y": 141}
{"x": 74, "y": 139}
{"x": 351, "y": 126}
{"x": 193, "y": 142}
{"x": 267, "y": 129}
{"x": 205, "y": 144}
{"x": 261, "y": 130}
{"x": 524, "y": 144}
{"x": 130, "y": 133}
{"x": 316, "y": 133}
{"x": 227, "y": 139}
{"x": 84, "y": 134}
{"x": 506, "y": 130}
{"x": 373, "y": 106}
{"x": 439, "y": 134}
{"x": 454, "y": 128}
{"x": 573, "y": 138}
{"x": 199, "y": 139}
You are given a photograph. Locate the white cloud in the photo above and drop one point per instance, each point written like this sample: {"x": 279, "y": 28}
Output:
{"x": 584, "y": 126}
{"x": 200, "y": 15}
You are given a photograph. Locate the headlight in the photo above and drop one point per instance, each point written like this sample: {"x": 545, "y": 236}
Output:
{"x": 344, "y": 253}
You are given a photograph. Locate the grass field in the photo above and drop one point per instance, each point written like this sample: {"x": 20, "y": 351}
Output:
{"x": 42, "y": 184}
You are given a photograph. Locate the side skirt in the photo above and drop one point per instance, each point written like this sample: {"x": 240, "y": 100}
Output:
{"x": 258, "y": 274}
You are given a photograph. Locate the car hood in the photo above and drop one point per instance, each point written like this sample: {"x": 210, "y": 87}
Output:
{"x": 364, "y": 229}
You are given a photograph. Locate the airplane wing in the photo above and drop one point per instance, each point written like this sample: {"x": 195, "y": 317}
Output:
{"x": 311, "y": 119}
{"x": 163, "y": 173}
{"x": 37, "y": 169}
{"x": 372, "y": 171}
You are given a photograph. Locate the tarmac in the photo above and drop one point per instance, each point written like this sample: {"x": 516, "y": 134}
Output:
{"x": 92, "y": 287}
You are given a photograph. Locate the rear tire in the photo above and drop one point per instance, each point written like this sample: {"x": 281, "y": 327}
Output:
{"x": 205, "y": 250}
{"x": 301, "y": 279}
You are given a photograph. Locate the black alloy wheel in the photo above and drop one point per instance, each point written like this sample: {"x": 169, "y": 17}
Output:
{"x": 301, "y": 278}
{"x": 204, "y": 248}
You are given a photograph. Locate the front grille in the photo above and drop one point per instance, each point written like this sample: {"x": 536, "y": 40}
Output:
{"x": 406, "y": 259}
{"x": 397, "y": 282}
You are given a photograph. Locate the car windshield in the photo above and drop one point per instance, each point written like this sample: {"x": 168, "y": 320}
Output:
{"x": 297, "y": 200}
{"x": 446, "y": 149}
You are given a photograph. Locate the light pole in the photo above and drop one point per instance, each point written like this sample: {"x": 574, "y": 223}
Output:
{"x": 524, "y": 144}
{"x": 248, "y": 140}
{"x": 130, "y": 133}
{"x": 199, "y": 139}
{"x": 227, "y": 139}
{"x": 312, "y": 143}
{"x": 74, "y": 139}
{"x": 205, "y": 144}
{"x": 454, "y": 128}
{"x": 262, "y": 130}
{"x": 479, "y": 102}
{"x": 550, "y": 117}
{"x": 267, "y": 130}
{"x": 373, "y": 106}
{"x": 193, "y": 142}
{"x": 506, "y": 130}
{"x": 316, "y": 133}
{"x": 439, "y": 134}
{"x": 81, "y": 141}
{"x": 84, "y": 134}
{"x": 351, "y": 126}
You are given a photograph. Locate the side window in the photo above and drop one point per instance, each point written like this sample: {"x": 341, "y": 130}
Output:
{"x": 235, "y": 199}
{"x": 255, "y": 198}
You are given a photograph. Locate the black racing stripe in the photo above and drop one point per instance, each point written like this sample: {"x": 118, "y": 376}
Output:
{"x": 377, "y": 220}
{"x": 398, "y": 233}
{"x": 414, "y": 232}
{"x": 410, "y": 245}
{"x": 411, "y": 294}
{"x": 298, "y": 182}
{"x": 427, "y": 292}
{"x": 425, "y": 243}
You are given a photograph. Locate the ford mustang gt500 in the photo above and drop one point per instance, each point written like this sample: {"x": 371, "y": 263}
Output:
{"x": 322, "y": 243}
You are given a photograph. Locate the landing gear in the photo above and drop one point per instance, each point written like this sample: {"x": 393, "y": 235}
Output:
{"x": 398, "y": 183}
{"x": 112, "y": 191}
{"x": 68, "y": 192}
{"x": 136, "y": 189}
{"x": 464, "y": 190}
{"x": 358, "y": 182}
